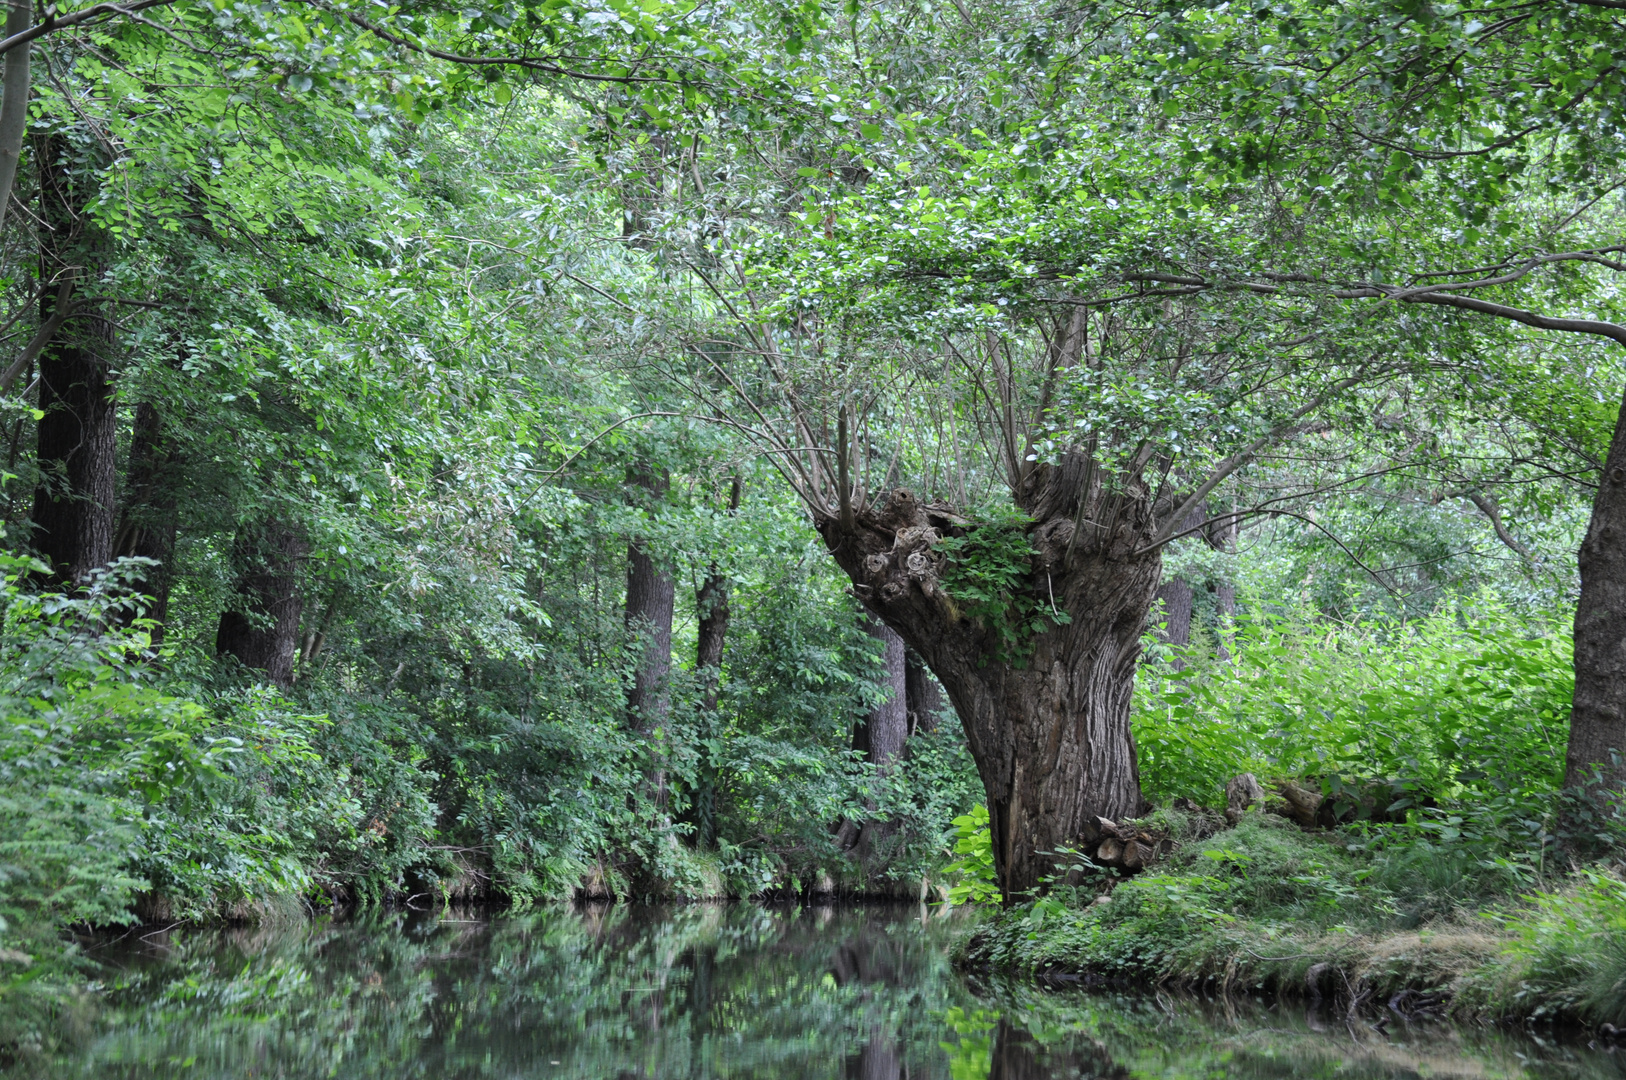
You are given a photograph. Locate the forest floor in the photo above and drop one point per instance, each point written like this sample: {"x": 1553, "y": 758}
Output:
{"x": 1324, "y": 916}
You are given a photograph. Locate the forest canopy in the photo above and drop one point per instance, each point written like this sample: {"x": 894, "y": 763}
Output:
{"x": 609, "y": 449}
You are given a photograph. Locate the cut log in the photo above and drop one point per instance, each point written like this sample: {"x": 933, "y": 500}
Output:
{"x": 1097, "y": 829}
{"x": 1111, "y": 852}
{"x": 1242, "y": 793}
{"x": 1138, "y": 856}
{"x": 1298, "y": 803}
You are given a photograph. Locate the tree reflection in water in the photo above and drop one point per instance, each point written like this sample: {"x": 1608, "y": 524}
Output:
{"x": 690, "y": 993}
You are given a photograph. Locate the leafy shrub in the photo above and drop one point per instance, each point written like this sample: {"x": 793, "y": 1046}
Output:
{"x": 978, "y": 882}
{"x": 1568, "y": 957}
{"x": 85, "y": 749}
{"x": 1464, "y": 700}
{"x": 986, "y": 571}
{"x": 1459, "y": 718}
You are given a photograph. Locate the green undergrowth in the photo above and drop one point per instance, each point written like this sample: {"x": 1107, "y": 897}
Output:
{"x": 1266, "y": 906}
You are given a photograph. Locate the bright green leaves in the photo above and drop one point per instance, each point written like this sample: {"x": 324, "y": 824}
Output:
{"x": 977, "y": 882}
{"x": 988, "y": 572}
{"x": 1124, "y": 407}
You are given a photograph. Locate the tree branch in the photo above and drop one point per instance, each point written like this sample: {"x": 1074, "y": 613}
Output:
{"x": 77, "y": 18}
{"x": 1488, "y": 507}
{"x": 62, "y": 312}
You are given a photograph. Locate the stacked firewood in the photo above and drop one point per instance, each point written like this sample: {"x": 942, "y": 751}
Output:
{"x": 1127, "y": 846}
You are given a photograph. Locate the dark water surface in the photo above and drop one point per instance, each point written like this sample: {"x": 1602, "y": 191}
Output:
{"x": 699, "y": 993}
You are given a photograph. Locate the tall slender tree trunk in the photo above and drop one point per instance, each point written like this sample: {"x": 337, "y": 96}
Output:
{"x": 147, "y": 523}
{"x": 651, "y": 596}
{"x": 14, "y": 103}
{"x": 922, "y": 693}
{"x": 74, "y": 502}
{"x": 1597, "y": 743}
{"x": 711, "y": 601}
{"x": 261, "y": 627}
{"x": 1049, "y": 728}
{"x": 881, "y": 735}
{"x": 1178, "y": 603}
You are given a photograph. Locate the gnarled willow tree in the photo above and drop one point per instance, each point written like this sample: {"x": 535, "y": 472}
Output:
{"x": 999, "y": 410}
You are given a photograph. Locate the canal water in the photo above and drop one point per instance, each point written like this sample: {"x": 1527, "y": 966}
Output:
{"x": 696, "y": 993}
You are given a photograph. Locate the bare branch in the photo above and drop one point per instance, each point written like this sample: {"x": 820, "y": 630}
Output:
{"x": 1488, "y": 507}
{"x": 61, "y": 314}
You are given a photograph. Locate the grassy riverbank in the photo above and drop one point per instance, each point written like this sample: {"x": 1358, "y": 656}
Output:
{"x": 1268, "y": 906}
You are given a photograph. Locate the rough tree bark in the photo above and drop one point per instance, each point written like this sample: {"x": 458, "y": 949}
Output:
{"x": 711, "y": 601}
{"x": 1049, "y": 731}
{"x": 922, "y": 693}
{"x": 14, "y": 104}
{"x": 880, "y": 736}
{"x": 651, "y": 595}
{"x": 73, "y": 504}
{"x": 879, "y": 1059}
{"x": 1598, "y": 715}
{"x": 1178, "y": 602}
{"x": 261, "y": 627}
{"x": 147, "y": 522}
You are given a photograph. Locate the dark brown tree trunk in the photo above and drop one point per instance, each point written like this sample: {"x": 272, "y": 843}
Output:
{"x": 651, "y": 595}
{"x": 74, "y": 502}
{"x": 261, "y": 628}
{"x": 1049, "y": 728}
{"x": 711, "y": 601}
{"x": 881, "y": 735}
{"x": 147, "y": 523}
{"x": 922, "y": 693}
{"x": 1178, "y": 602}
{"x": 1598, "y": 716}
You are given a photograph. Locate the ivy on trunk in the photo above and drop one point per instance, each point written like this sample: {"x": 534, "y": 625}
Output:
{"x": 1042, "y": 682}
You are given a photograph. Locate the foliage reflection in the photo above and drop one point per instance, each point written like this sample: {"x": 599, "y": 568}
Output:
{"x": 692, "y": 992}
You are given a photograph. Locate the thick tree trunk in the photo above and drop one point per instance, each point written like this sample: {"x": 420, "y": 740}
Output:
{"x": 73, "y": 505}
{"x": 651, "y": 595}
{"x": 1598, "y": 717}
{"x": 712, "y": 602}
{"x": 147, "y": 524}
{"x": 1049, "y": 730}
{"x": 261, "y": 628}
{"x": 922, "y": 693}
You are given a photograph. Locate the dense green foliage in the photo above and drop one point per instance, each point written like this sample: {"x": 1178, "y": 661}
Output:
{"x": 461, "y": 370}
{"x": 1466, "y": 709}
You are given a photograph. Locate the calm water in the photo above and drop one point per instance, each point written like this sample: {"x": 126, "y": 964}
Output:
{"x": 697, "y": 993}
